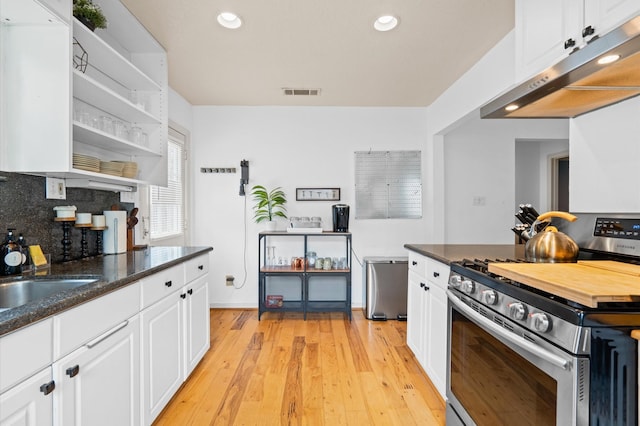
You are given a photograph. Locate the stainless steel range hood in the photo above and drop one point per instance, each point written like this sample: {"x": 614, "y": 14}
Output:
{"x": 578, "y": 84}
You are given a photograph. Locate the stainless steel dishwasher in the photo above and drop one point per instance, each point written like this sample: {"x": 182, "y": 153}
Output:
{"x": 385, "y": 288}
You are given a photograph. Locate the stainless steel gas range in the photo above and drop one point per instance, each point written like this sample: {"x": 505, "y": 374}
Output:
{"x": 519, "y": 355}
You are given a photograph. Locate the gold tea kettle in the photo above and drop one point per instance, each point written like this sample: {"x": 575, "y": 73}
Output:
{"x": 551, "y": 245}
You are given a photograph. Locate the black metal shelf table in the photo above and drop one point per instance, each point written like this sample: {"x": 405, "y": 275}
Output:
{"x": 306, "y": 274}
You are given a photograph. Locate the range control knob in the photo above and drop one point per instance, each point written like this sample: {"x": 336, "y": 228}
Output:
{"x": 541, "y": 322}
{"x": 490, "y": 297}
{"x": 455, "y": 281}
{"x": 517, "y": 311}
{"x": 468, "y": 286}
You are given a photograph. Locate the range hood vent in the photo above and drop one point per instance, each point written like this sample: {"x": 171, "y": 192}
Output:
{"x": 578, "y": 84}
{"x": 300, "y": 92}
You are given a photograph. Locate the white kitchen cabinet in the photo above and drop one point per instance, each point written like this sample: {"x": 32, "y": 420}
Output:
{"x": 175, "y": 331}
{"x": 427, "y": 317}
{"x": 59, "y": 7}
{"x": 99, "y": 383}
{"x": 549, "y": 30}
{"x": 30, "y": 402}
{"x": 162, "y": 353}
{"x": 45, "y": 88}
{"x": 196, "y": 323}
{"x": 416, "y": 320}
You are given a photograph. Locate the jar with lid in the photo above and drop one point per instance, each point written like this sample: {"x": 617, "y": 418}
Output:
{"x": 311, "y": 259}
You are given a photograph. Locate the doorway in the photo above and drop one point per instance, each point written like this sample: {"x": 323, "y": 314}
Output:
{"x": 559, "y": 191}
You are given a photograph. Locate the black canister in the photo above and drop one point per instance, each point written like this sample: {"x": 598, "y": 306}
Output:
{"x": 340, "y": 218}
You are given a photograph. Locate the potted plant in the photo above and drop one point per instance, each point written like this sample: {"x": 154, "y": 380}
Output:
{"x": 269, "y": 205}
{"x": 89, "y": 14}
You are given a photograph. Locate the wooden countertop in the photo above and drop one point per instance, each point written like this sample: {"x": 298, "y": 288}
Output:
{"x": 586, "y": 282}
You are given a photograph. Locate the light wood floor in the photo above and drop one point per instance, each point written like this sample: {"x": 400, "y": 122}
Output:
{"x": 326, "y": 370}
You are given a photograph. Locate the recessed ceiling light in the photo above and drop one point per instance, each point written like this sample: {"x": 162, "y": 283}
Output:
{"x": 385, "y": 23}
{"x": 608, "y": 59}
{"x": 229, "y": 20}
{"x": 511, "y": 107}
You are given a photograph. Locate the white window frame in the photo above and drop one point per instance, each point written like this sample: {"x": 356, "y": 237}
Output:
{"x": 178, "y": 136}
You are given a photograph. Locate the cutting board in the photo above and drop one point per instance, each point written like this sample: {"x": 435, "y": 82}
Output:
{"x": 587, "y": 283}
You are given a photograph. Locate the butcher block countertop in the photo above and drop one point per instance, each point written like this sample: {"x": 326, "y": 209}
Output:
{"x": 587, "y": 282}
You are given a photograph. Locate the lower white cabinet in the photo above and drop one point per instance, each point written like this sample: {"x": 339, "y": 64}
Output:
{"x": 30, "y": 402}
{"x": 162, "y": 353}
{"x": 196, "y": 325}
{"x": 427, "y": 317}
{"x": 115, "y": 360}
{"x": 175, "y": 337}
{"x": 99, "y": 383}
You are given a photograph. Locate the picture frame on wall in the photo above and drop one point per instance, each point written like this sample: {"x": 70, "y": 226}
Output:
{"x": 317, "y": 194}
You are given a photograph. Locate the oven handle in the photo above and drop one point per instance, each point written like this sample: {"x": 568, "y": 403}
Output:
{"x": 516, "y": 340}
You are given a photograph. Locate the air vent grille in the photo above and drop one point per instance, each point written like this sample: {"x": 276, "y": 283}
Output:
{"x": 300, "y": 92}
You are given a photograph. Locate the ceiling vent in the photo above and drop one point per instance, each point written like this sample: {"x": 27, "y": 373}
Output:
{"x": 301, "y": 92}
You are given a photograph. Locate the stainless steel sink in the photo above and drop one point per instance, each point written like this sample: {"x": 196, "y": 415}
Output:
{"x": 17, "y": 293}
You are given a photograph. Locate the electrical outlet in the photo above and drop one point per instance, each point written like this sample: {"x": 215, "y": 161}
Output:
{"x": 479, "y": 200}
{"x": 56, "y": 189}
{"x": 230, "y": 279}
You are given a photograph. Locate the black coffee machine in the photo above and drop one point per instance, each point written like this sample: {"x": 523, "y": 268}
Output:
{"x": 340, "y": 218}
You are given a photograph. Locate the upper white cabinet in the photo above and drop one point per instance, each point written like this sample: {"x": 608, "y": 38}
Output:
{"x": 69, "y": 91}
{"x": 549, "y": 30}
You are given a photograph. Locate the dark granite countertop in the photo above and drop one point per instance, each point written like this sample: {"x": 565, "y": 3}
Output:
{"x": 447, "y": 253}
{"x": 112, "y": 272}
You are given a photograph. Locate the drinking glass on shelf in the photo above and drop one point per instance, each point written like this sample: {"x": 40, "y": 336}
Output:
{"x": 106, "y": 124}
{"x": 136, "y": 135}
{"x": 119, "y": 129}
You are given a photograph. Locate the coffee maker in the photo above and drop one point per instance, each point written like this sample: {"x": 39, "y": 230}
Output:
{"x": 340, "y": 218}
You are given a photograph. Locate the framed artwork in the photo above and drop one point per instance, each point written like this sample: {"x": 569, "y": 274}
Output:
{"x": 317, "y": 194}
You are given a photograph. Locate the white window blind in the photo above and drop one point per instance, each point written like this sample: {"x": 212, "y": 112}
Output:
{"x": 388, "y": 184}
{"x": 167, "y": 204}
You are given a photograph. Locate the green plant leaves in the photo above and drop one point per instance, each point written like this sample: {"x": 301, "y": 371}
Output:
{"x": 269, "y": 204}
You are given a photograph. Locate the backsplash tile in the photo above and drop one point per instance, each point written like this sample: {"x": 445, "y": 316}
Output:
{"x": 23, "y": 206}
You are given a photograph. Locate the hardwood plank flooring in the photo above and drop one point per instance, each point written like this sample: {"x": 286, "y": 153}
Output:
{"x": 326, "y": 370}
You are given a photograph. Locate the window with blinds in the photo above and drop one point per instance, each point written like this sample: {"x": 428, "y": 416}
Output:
{"x": 167, "y": 204}
{"x": 388, "y": 184}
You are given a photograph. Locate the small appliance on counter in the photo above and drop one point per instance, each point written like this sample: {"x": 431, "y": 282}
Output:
{"x": 340, "y": 218}
{"x": 115, "y": 236}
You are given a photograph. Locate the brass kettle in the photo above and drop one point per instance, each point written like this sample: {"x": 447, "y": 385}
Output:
{"x": 551, "y": 245}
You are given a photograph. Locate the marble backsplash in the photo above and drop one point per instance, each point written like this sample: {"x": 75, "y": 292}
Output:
{"x": 23, "y": 206}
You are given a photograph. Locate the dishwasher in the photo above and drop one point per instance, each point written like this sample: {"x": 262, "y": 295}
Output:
{"x": 385, "y": 288}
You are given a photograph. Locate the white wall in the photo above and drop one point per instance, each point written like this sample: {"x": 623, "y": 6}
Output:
{"x": 291, "y": 147}
{"x": 490, "y": 76}
{"x": 479, "y": 163}
{"x": 605, "y": 154}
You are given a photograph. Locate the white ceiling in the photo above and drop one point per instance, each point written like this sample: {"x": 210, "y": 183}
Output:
{"x": 325, "y": 44}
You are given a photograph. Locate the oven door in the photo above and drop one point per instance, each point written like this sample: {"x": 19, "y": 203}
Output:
{"x": 500, "y": 374}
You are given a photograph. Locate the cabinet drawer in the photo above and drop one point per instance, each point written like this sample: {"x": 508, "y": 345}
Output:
{"x": 24, "y": 352}
{"x": 437, "y": 273}
{"x": 195, "y": 268}
{"x": 418, "y": 263}
{"x": 162, "y": 284}
{"x": 73, "y": 328}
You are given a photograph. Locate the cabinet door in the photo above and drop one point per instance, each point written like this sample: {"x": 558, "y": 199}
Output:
{"x": 436, "y": 335}
{"x": 416, "y": 315}
{"x": 197, "y": 340}
{"x": 62, "y": 8}
{"x": 26, "y": 405}
{"x": 542, "y": 28}
{"x": 605, "y": 15}
{"x": 99, "y": 383}
{"x": 162, "y": 350}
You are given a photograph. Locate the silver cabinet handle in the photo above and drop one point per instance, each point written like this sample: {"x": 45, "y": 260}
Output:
{"x": 516, "y": 340}
{"x": 106, "y": 335}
